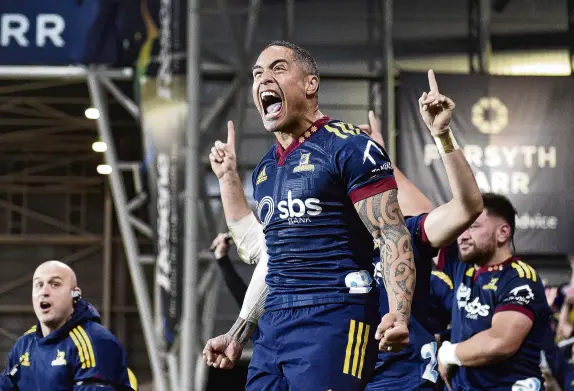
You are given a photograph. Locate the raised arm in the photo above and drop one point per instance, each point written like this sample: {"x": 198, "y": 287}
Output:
{"x": 224, "y": 351}
{"x": 242, "y": 223}
{"x": 445, "y": 223}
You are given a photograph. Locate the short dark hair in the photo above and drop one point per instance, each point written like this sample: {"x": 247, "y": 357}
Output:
{"x": 501, "y": 206}
{"x": 302, "y": 56}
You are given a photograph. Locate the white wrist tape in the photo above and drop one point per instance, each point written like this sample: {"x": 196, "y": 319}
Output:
{"x": 249, "y": 238}
{"x": 254, "y": 301}
{"x": 447, "y": 354}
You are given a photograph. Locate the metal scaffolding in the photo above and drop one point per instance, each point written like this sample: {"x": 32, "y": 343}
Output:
{"x": 479, "y": 47}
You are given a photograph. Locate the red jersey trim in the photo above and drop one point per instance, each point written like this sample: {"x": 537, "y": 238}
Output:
{"x": 424, "y": 237}
{"x": 515, "y": 307}
{"x": 282, "y": 154}
{"x": 493, "y": 268}
{"x": 441, "y": 259}
{"x": 373, "y": 188}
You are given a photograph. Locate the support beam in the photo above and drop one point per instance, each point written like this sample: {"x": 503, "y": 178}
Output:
{"x": 189, "y": 350}
{"x": 289, "y": 19}
{"x": 122, "y": 99}
{"x": 128, "y": 235}
{"x": 389, "y": 69}
{"x": 51, "y": 72}
{"x": 479, "y": 35}
{"x": 107, "y": 260}
{"x": 570, "y": 10}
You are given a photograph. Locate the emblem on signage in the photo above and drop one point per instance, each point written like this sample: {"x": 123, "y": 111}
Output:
{"x": 489, "y": 115}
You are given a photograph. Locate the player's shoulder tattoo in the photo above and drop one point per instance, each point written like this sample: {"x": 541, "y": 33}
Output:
{"x": 382, "y": 216}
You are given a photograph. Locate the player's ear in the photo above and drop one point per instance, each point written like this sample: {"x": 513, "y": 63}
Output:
{"x": 311, "y": 85}
{"x": 503, "y": 234}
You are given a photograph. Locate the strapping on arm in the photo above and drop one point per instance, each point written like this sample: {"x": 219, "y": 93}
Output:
{"x": 248, "y": 236}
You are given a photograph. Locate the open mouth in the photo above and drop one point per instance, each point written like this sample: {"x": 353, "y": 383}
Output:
{"x": 271, "y": 103}
{"x": 44, "y": 305}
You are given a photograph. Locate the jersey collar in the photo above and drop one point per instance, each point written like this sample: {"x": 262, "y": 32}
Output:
{"x": 282, "y": 154}
{"x": 493, "y": 268}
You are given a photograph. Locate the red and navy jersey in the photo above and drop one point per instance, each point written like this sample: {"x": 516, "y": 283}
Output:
{"x": 479, "y": 294}
{"x": 82, "y": 355}
{"x": 440, "y": 302}
{"x": 398, "y": 370}
{"x": 319, "y": 250}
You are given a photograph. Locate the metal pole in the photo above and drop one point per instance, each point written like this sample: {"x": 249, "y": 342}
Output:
{"x": 389, "y": 57}
{"x": 107, "y": 260}
{"x": 128, "y": 236}
{"x": 188, "y": 349}
{"x": 289, "y": 19}
{"x": 51, "y": 72}
{"x": 484, "y": 36}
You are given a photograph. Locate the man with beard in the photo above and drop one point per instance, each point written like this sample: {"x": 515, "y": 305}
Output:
{"x": 499, "y": 312}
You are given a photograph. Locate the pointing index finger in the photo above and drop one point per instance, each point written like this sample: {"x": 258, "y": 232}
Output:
{"x": 231, "y": 135}
{"x": 432, "y": 82}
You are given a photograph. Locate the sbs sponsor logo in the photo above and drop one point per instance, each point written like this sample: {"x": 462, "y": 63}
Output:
{"x": 294, "y": 210}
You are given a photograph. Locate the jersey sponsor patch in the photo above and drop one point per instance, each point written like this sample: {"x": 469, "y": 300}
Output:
{"x": 462, "y": 295}
{"x": 475, "y": 308}
{"x": 294, "y": 210}
{"x": 522, "y": 294}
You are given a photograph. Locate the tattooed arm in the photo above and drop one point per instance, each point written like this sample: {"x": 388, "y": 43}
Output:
{"x": 383, "y": 218}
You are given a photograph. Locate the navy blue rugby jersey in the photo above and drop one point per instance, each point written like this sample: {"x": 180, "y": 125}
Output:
{"x": 479, "y": 294}
{"x": 419, "y": 353}
{"x": 319, "y": 250}
{"x": 440, "y": 302}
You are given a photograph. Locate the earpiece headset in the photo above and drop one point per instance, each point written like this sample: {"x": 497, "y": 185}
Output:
{"x": 76, "y": 295}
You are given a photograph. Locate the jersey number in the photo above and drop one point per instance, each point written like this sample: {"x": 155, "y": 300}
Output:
{"x": 429, "y": 351}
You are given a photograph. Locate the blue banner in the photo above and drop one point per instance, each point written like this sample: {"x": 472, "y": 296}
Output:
{"x": 62, "y": 32}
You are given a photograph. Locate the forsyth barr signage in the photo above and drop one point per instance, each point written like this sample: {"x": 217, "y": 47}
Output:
{"x": 58, "y": 32}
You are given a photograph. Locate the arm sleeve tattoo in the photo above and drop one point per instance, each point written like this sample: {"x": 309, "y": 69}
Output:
{"x": 383, "y": 218}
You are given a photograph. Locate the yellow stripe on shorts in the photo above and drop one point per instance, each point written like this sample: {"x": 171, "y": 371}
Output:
{"x": 358, "y": 338}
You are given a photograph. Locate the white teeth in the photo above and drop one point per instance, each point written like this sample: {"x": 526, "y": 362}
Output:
{"x": 269, "y": 93}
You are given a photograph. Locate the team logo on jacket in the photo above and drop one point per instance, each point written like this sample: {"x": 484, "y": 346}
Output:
{"x": 60, "y": 359}
{"x": 294, "y": 210}
{"x": 262, "y": 177}
{"x": 304, "y": 163}
{"x": 25, "y": 360}
{"x": 522, "y": 294}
